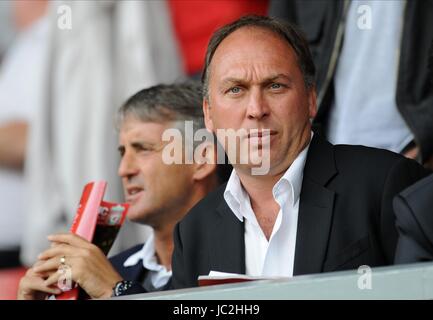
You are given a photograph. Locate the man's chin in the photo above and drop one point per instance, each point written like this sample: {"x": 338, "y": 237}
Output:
{"x": 136, "y": 215}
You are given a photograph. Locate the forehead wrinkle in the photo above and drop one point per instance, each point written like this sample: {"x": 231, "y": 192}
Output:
{"x": 230, "y": 80}
{"x": 140, "y": 135}
{"x": 265, "y": 43}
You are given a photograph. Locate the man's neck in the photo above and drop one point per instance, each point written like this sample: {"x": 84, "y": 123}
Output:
{"x": 163, "y": 241}
{"x": 163, "y": 234}
{"x": 259, "y": 188}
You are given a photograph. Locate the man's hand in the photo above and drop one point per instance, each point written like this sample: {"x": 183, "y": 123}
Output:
{"x": 13, "y": 143}
{"x": 33, "y": 287}
{"x": 413, "y": 154}
{"x": 88, "y": 265}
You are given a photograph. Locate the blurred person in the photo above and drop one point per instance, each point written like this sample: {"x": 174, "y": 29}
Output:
{"x": 372, "y": 80}
{"x": 414, "y": 220}
{"x": 159, "y": 195}
{"x": 6, "y": 26}
{"x": 320, "y": 207}
{"x": 20, "y": 79}
{"x": 110, "y": 50}
{"x": 414, "y": 215}
{"x": 193, "y": 30}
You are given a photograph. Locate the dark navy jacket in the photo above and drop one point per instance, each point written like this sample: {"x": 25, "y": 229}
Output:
{"x": 135, "y": 273}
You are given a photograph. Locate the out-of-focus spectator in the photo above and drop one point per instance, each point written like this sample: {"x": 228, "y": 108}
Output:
{"x": 372, "y": 76}
{"x": 6, "y": 26}
{"x": 414, "y": 220}
{"x": 20, "y": 78}
{"x": 195, "y": 21}
{"x": 110, "y": 50}
{"x": 413, "y": 211}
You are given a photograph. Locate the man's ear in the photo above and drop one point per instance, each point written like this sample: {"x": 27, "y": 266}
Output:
{"x": 205, "y": 161}
{"x": 312, "y": 102}
{"x": 207, "y": 117}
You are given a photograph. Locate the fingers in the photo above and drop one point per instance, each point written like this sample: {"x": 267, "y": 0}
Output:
{"x": 53, "y": 279}
{"x": 37, "y": 263}
{"x": 71, "y": 239}
{"x": 54, "y": 271}
{"x": 31, "y": 272}
{"x": 31, "y": 287}
{"x": 54, "y": 244}
{"x": 47, "y": 265}
{"x": 59, "y": 250}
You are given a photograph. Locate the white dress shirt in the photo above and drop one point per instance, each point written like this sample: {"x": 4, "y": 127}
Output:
{"x": 276, "y": 256}
{"x": 159, "y": 275}
{"x": 365, "y": 107}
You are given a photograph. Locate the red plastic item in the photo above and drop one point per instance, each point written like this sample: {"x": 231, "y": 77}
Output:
{"x": 93, "y": 213}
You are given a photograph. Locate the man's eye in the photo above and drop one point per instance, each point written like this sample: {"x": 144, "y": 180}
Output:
{"x": 276, "y": 86}
{"x": 234, "y": 90}
{"x": 147, "y": 149}
{"x": 144, "y": 149}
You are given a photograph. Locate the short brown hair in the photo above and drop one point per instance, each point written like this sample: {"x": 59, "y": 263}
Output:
{"x": 286, "y": 31}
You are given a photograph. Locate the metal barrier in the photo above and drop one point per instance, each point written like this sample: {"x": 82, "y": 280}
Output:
{"x": 414, "y": 281}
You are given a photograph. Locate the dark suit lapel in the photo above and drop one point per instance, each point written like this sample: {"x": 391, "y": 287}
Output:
{"x": 135, "y": 272}
{"x": 315, "y": 208}
{"x": 227, "y": 238}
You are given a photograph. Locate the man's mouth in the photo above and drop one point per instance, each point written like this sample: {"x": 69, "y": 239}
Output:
{"x": 133, "y": 193}
{"x": 257, "y": 134}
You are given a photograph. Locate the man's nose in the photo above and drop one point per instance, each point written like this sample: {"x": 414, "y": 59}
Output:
{"x": 127, "y": 166}
{"x": 257, "y": 106}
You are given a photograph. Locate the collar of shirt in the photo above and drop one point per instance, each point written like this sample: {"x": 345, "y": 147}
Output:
{"x": 287, "y": 188}
{"x": 160, "y": 275}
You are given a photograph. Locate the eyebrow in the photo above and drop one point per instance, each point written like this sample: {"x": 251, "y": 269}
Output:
{"x": 234, "y": 80}
{"x": 136, "y": 145}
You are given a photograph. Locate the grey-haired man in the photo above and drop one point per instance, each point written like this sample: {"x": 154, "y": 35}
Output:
{"x": 159, "y": 195}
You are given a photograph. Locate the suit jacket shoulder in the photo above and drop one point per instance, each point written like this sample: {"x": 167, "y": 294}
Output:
{"x": 422, "y": 191}
{"x": 205, "y": 207}
{"x": 365, "y": 158}
{"x": 375, "y": 168}
{"x": 414, "y": 219}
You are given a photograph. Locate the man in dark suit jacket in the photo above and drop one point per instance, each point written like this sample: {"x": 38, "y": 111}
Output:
{"x": 414, "y": 214}
{"x": 345, "y": 217}
{"x": 335, "y": 208}
{"x": 414, "y": 218}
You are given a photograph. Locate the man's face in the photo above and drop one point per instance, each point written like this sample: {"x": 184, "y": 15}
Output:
{"x": 255, "y": 83}
{"x": 155, "y": 191}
